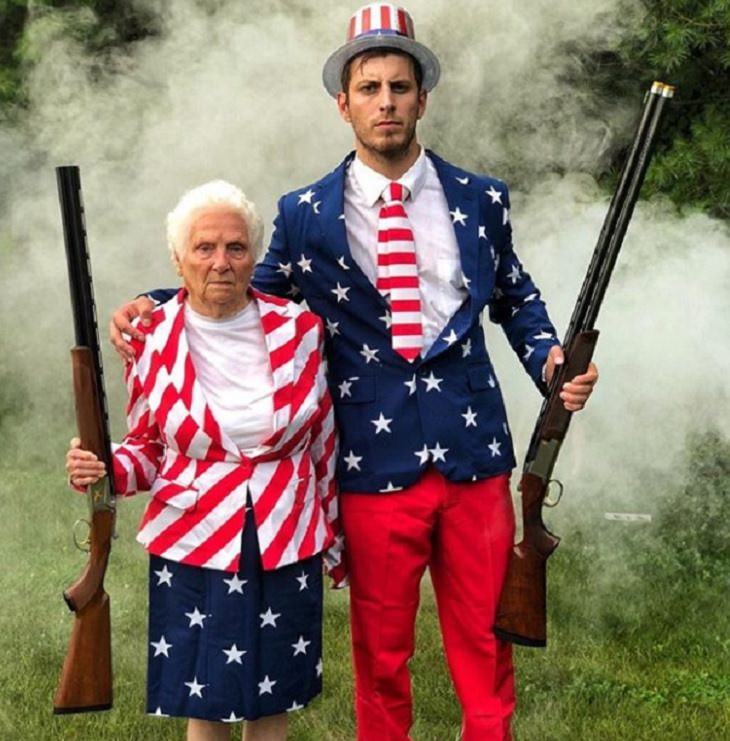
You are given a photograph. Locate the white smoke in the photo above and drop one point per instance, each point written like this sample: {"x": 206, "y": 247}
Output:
{"x": 233, "y": 90}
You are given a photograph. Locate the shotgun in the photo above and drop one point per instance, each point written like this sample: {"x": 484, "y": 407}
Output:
{"x": 521, "y": 614}
{"x": 86, "y": 677}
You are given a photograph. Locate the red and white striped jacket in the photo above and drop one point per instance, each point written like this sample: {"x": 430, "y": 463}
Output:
{"x": 198, "y": 478}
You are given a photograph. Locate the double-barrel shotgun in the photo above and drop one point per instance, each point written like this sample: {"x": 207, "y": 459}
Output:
{"x": 86, "y": 678}
{"x": 521, "y": 615}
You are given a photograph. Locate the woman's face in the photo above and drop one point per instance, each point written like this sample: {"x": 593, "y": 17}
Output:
{"x": 217, "y": 264}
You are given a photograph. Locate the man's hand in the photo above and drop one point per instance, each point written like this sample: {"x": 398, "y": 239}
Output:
{"x": 575, "y": 392}
{"x": 122, "y": 323}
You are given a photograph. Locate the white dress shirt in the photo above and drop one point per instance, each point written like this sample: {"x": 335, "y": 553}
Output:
{"x": 437, "y": 252}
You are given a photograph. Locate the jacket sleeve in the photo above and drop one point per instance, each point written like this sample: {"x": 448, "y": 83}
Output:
{"x": 516, "y": 305}
{"x": 324, "y": 456}
{"x": 274, "y": 273}
{"x": 138, "y": 458}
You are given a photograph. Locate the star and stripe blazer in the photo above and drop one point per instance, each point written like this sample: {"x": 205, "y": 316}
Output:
{"x": 199, "y": 480}
{"x": 444, "y": 409}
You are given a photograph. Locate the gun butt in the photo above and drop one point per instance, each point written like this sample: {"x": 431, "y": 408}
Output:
{"x": 522, "y": 610}
{"x": 86, "y": 678}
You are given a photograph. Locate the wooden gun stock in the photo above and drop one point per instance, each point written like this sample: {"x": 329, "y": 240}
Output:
{"x": 522, "y": 612}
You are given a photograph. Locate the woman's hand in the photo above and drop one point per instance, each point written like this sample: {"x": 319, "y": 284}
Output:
{"x": 82, "y": 466}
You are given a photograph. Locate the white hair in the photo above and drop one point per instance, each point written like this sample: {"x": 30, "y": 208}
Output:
{"x": 215, "y": 194}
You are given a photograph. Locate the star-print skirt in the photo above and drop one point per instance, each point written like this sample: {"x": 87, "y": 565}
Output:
{"x": 230, "y": 647}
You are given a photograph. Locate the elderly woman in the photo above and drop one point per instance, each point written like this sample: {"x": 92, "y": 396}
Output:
{"x": 231, "y": 430}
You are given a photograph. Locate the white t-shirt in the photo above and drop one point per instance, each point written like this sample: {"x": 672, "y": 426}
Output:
{"x": 232, "y": 366}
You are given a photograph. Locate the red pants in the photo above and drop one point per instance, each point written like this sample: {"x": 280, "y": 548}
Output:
{"x": 463, "y": 532}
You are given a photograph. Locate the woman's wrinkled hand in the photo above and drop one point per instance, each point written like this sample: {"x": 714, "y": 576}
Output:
{"x": 82, "y": 466}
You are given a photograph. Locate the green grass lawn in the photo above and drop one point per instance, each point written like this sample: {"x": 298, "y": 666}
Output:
{"x": 639, "y": 634}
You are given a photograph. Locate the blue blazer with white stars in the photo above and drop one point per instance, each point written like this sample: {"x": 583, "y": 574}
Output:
{"x": 445, "y": 409}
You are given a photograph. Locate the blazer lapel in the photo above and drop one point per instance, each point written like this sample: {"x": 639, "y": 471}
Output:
{"x": 176, "y": 396}
{"x": 280, "y": 336}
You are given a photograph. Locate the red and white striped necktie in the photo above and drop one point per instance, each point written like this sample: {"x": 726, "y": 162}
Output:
{"x": 398, "y": 272}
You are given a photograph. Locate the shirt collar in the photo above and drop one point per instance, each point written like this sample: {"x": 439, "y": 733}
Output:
{"x": 371, "y": 183}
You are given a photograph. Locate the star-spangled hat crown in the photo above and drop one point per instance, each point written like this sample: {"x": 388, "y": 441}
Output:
{"x": 380, "y": 26}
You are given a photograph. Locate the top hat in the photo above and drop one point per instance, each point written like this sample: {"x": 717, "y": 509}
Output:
{"x": 380, "y": 26}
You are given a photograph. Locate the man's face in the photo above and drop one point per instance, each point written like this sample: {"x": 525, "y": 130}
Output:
{"x": 383, "y": 104}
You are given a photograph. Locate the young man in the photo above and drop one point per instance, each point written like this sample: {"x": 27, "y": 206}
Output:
{"x": 400, "y": 253}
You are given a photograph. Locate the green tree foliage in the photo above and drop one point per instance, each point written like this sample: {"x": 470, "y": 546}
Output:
{"x": 687, "y": 43}
{"x": 102, "y": 25}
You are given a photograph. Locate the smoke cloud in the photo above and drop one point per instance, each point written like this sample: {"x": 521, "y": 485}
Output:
{"x": 233, "y": 90}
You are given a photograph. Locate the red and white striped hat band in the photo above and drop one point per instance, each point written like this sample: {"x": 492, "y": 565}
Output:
{"x": 380, "y": 26}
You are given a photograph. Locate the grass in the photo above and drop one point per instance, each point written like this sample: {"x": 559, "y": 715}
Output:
{"x": 639, "y": 641}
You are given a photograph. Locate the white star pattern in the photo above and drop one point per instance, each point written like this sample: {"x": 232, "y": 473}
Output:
{"x": 159, "y": 714}
{"x": 164, "y": 576}
{"x": 332, "y": 327}
{"x": 465, "y": 280}
{"x": 482, "y": 232}
{"x": 341, "y": 262}
{"x": 439, "y": 453}
{"x": 294, "y": 707}
{"x": 463, "y": 181}
{"x": 305, "y": 264}
{"x": 195, "y": 687}
{"x": 387, "y": 319}
{"x": 494, "y": 446}
{"x": 306, "y": 197}
{"x": 266, "y": 686}
{"x": 353, "y": 461}
{"x": 423, "y": 455}
{"x": 269, "y": 618}
{"x": 315, "y": 207}
{"x": 470, "y": 417}
{"x": 528, "y": 352}
{"x": 369, "y": 354}
{"x": 161, "y": 647}
{"x": 341, "y": 292}
{"x": 451, "y": 338}
{"x": 344, "y": 388}
{"x": 494, "y": 194}
{"x": 285, "y": 268}
{"x": 232, "y": 718}
{"x": 382, "y": 424}
{"x": 505, "y": 217}
{"x": 302, "y": 579}
{"x": 543, "y": 336}
{"x": 196, "y": 617}
{"x": 234, "y": 654}
{"x": 458, "y": 217}
{"x": 300, "y": 647}
{"x": 411, "y": 385}
{"x": 319, "y": 668}
{"x": 235, "y": 584}
{"x": 466, "y": 349}
{"x": 514, "y": 274}
{"x": 491, "y": 381}
{"x": 389, "y": 488}
{"x": 432, "y": 382}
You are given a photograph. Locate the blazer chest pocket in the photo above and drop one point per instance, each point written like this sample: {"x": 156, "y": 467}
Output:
{"x": 175, "y": 495}
{"x": 481, "y": 377}
{"x": 353, "y": 390}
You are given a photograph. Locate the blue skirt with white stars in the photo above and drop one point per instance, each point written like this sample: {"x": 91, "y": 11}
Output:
{"x": 231, "y": 647}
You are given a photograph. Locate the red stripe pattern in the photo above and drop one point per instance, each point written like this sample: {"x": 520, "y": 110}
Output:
{"x": 199, "y": 480}
{"x": 380, "y": 18}
{"x": 398, "y": 272}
